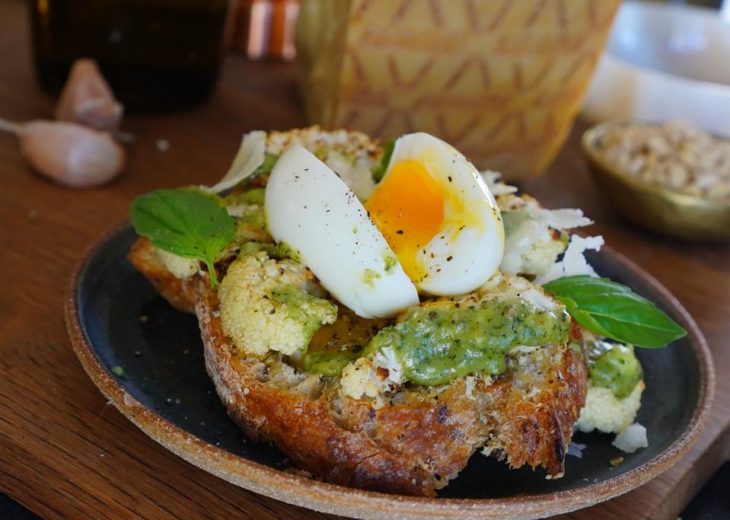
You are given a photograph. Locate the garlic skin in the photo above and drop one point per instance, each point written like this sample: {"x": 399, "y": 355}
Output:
{"x": 71, "y": 154}
{"x": 87, "y": 98}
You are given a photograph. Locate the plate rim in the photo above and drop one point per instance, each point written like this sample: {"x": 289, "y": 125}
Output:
{"x": 330, "y": 498}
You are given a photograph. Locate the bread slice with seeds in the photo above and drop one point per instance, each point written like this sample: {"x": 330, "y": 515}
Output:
{"x": 413, "y": 441}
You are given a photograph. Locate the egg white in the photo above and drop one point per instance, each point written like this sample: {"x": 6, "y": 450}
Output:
{"x": 310, "y": 209}
{"x": 468, "y": 248}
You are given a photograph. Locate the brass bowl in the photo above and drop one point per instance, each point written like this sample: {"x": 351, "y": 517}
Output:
{"x": 651, "y": 206}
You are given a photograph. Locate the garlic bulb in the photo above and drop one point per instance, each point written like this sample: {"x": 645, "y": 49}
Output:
{"x": 87, "y": 98}
{"x": 68, "y": 153}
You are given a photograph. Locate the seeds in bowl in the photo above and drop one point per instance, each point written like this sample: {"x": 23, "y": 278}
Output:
{"x": 677, "y": 155}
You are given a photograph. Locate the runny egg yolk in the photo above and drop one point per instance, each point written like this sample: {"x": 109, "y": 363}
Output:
{"x": 408, "y": 208}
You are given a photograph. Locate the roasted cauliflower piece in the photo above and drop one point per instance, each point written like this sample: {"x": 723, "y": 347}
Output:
{"x": 268, "y": 304}
{"x": 179, "y": 267}
{"x": 605, "y": 412}
{"x": 247, "y": 208}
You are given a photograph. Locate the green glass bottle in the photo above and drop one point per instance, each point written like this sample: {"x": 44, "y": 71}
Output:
{"x": 158, "y": 55}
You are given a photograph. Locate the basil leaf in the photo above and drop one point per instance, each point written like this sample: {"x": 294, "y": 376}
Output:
{"x": 383, "y": 166}
{"x": 613, "y": 310}
{"x": 184, "y": 222}
{"x": 583, "y": 318}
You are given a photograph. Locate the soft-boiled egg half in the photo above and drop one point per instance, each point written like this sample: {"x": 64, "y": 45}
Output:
{"x": 438, "y": 215}
{"x": 431, "y": 224}
{"x": 310, "y": 209}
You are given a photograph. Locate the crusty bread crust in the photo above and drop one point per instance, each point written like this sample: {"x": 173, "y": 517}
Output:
{"x": 414, "y": 444}
{"x": 302, "y": 427}
{"x": 536, "y": 431}
{"x": 179, "y": 292}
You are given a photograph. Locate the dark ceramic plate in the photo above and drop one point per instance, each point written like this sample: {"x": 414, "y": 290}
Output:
{"x": 147, "y": 358}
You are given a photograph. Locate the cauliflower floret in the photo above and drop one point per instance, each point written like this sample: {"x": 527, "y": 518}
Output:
{"x": 179, "y": 266}
{"x": 266, "y": 304}
{"x": 351, "y": 155}
{"x": 506, "y": 286}
{"x": 359, "y": 379}
{"x": 534, "y": 236}
{"x": 530, "y": 246}
{"x": 372, "y": 376}
{"x": 631, "y": 439}
{"x": 247, "y": 208}
{"x": 603, "y": 411}
{"x": 321, "y": 142}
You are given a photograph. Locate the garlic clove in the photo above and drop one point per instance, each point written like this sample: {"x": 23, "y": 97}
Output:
{"x": 71, "y": 154}
{"x": 88, "y": 99}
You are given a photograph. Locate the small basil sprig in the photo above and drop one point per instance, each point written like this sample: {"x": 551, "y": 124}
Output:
{"x": 185, "y": 222}
{"x": 613, "y": 310}
{"x": 380, "y": 170}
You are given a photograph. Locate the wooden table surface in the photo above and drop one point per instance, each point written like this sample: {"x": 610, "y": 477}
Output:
{"x": 66, "y": 453}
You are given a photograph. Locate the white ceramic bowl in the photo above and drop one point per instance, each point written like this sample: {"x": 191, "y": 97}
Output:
{"x": 665, "y": 62}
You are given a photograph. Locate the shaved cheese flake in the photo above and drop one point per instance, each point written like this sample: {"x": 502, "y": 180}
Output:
{"x": 563, "y": 218}
{"x": 495, "y": 185}
{"x": 249, "y": 157}
{"x": 573, "y": 262}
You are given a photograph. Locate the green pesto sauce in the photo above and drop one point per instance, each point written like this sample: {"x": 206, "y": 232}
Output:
{"x": 251, "y": 248}
{"x": 254, "y": 196}
{"x": 278, "y": 251}
{"x": 438, "y": 344}
{"x": 390, "y": 262}
{"x": 369, "y": 276}
{"x": 614, "y": 366}
{"x": 336, "y": 344}
{"x": 268, "y": 164}
{"x": 284, "y": 250}
{"x": 264, "y": 168}
{"x": 250, "y": 196}
{"x": 304, "y": 308}
{"x": 255, "y": 217}
{"x": 328, "y": 363}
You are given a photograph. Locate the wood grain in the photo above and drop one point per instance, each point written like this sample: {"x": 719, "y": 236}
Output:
{"x": 65, "y": 453}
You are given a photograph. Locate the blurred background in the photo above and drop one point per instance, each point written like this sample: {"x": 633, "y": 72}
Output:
{"x": 501, "y": 81}
{"x": 511, "y": 77}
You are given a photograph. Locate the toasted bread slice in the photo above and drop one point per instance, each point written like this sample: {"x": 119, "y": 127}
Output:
{"x": 179, "y": 292}
{"x": 413, "y": 444}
